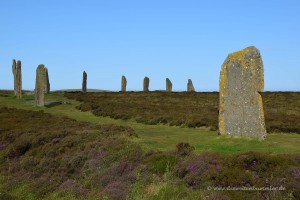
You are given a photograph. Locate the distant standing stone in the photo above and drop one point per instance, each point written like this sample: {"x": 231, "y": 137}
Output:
{"x": 190, "y": 86}
{"x": 146, "y": 84}
{"x": 14, "y": 71}
{"x": 241, "y": 108}
{"x": 124, "y": 84}
{"x": 84, "y": 81}
{"x": 168, "y": 85}
{"x": 40, "y": 85}
{"x": 47, "y": 82}
{"x": 17, "y": 73}
{"x": 19, "y": 79}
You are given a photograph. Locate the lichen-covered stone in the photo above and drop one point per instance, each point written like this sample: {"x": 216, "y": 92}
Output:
{"x": 168, "y": 85}
{"x": 19, "y": 79}
{"x": 40, "y": 85}
{"x": 146, "y": 84}
{"x": 241, "y": 109}
{"x": 84, "y": 81}
{"x": 190, "y": 86}
{"x": 47, "y": 82}
{"x": 123, "y": 84}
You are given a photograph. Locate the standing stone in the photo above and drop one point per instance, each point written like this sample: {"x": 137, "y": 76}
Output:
{"x": 84, "y": 80}
{"x": 19, "y": 79}
{"x": 14, "y": 71}
{"x": 241, "y": 109}
{"x": 124, "y": 83}
{"x": 168, "y": 85}
{"x": 40, "y": 85}
{"x": 146, "y": 84}
{"x": 47, "y": 82}
{"x": 190, "y": 86}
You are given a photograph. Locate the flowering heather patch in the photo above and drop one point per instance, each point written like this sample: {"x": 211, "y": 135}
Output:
{"x": 199, "y": 170}
{"x": 3, "y": 146}
{"x": 70, "y": 156}
{"x": 115, "y": 191}
{"x": 209, "y": 170}
{"x": 84, "y": 161}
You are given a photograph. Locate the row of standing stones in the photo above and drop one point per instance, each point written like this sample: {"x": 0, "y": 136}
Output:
{"x": 240, "y": 103}
{"x": 190, "y": 86}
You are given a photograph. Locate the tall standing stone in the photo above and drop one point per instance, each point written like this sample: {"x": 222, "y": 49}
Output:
{"x": 241, "y": 109}
{"x": 84, "y": 81}
{"x": 14, "y": 71}
{"x": 47, "y": 82}
{"x": 190, "y": 86}
{"x": 19, "y": 79}
{"x": 146, "y": 84}
{"x": 40, "y": 85}
{"x": 124, "y": 83}
{"x": 168, "y": 85}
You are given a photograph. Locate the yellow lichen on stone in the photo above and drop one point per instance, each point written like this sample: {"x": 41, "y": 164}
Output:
{"x": 241, "y": 111}
{"x": 223, "y": 82}
{"x": 261, "y": 114}
{"x": 236, "y": 56}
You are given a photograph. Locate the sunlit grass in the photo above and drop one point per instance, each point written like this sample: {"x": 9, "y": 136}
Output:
{"x": 164, "y": 137}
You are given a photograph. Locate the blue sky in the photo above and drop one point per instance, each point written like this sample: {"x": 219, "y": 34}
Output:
{"x": 178, "y": 39}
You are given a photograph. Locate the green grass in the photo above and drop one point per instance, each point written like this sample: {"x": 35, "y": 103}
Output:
{"x": 44, "y": 156}
{"x": 164, "y": 137}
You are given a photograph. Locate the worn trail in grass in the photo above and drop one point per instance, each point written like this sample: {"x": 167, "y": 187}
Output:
{"x": 164, "y": 137}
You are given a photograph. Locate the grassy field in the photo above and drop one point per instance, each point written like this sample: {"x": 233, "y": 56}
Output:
{"x": 61, "y": 152}
{"x": 164, "y": 137}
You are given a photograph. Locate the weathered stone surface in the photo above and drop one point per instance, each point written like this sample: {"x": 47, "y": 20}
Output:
{"x": 14, "y": 71}
{"x": 124, "y": 84}
{"x": 17, "y": 73}
{"x": 146, "y": 84}
{"x": 40, "y": 85}
{"x": 84, "y": 81}
{"x": 47, "y": 82}
{"x": 168, "y": 85}
{"x": 241, "y": 109}
{"x": 19, "y": 79}
{"x": 190, "y": 86}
